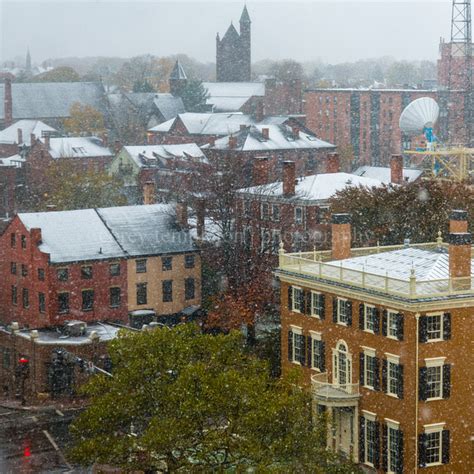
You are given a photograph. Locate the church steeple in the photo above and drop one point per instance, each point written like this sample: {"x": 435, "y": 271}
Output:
{"x": 245, "y": 17}
{"x": 28, "y": 61}
{"x": 178, "y": 79}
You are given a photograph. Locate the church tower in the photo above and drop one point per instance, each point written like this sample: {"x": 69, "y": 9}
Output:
{"x": 233, "y": 52}
{"x": 178, "y": 79}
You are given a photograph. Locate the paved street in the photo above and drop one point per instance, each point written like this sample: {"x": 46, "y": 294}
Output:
{"x": 33, "y": 441}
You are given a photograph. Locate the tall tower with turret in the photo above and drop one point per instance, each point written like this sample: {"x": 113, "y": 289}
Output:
{"x": 233, "y": 52}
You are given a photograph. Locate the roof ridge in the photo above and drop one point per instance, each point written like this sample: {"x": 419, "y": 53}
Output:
{"x": 96, "y": 210}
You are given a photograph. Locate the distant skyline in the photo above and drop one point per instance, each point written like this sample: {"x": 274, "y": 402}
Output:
{"x": 332, "y": 31}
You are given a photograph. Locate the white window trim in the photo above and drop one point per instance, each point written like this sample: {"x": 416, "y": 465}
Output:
{"x": 436, "y": 428}
{"x": 299, "y": 221}
{"x": 366, "y": 307}
{"x": 441, "y": 338}
{"x": 313, "y": 314}
{"x": 370, "y": 415}
{"x": 295, "y": 310}
{"x": 436, "y": 362}
{"x": 391, "y": 312}
{"x": 395, "y": 425}
{"x": 316, "y": 335}
{"x": 431, "y": 428}
{"x": 298, "y": 331}
{"x": 368, "y": 352}
{"x": 340, "y": 300}
{"x": 393, "y": 358}
{"x": 273, "y": 206}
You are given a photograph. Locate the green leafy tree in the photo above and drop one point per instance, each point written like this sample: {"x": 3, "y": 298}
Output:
{"x": 143, "y": 86}
{"x": 84, "y": 119}
{"x": 182, "y": 401}
{"x": 194, "y": 96}
{"x": 58, "y": 74}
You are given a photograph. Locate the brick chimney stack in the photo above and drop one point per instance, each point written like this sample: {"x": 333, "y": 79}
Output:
{"x": 149, "y": 196}
{"x": 47, "y": 142}
{"x": 266, "y": 133}
{"x": 333, "y": 164}
{"x": 289, "y": 178}
{"x": 260, "y": 171}
{"x": 296, "y": 132}
{"x": 232, "y": 142}
{"x": 200, "y": 217}
{"x": 341, "y": 236}
{"x": 20, "y": 136}
{"x": 182, "y": 215}
{"x": 8, "y": 102}
{"x": 396, "y": 169}
{"x": 259, "y": 111}
{"x": 460, "y": 260}
{"x": 458, "y": 222}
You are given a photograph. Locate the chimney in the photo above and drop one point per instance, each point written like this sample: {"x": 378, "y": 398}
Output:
{"x": 182, "y": 215}
{"x": 149, "y": 196}
{"x": 295, "y": 131}
{"x": 117, "y": 146}
{"x": 341, "y": 236}
{"x": 105, "y": 139}
{"x": 32, "y": 139}
{"x": 47, "y": 141}
{"x": 242, "y": 126}
{"x": 261, "y": 171}
{"x": 36, "y": 238}
{"x": 20, "y": 136}
{"x": 259, "y": 111}
{"x": 266, "y": 133}
{"x": 396, "y": 169}
{"x": 460, "y": 260}
{"x": 211, "y": 141}
{"x": 458, "y": 222}
{"x": 200, "y": 217}
{"x": 8, "y": 102}
{"x": 232, "y": 142}
{"x": 289, "y": 178}
{"x": 332, "y": 164}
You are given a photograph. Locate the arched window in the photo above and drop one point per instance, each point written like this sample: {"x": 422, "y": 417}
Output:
{"x": 342, "y": 365}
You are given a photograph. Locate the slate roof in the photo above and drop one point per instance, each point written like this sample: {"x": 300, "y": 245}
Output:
{"x": 245, "y": 17}
{"x": 178, "y": 72}
{"x": 116, "y": 232}
{"x": 9, "y": 135}
{"x": 232, "y": 96}
{"x": 384, "y": 175}
{"x": 168, "y": 105}
{"x": 280, "y": 138}
{"x": 231, "y": 34}
{"x": 44, "y": 100}
{"x": 77, "y": 147}
{"x": 319, "y": 187}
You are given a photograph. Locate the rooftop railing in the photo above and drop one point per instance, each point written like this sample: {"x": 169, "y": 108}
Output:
{"x": 322, "y": 388}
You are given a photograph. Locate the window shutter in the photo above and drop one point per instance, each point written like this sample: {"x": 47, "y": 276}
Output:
{"x": 334, "y": 310}
{"x": 361, "y": 315}
{"x": 322, "y": 358}
{"x": 302, "y": 302}
{"x": 290, "y": 298}
{"x": 303, "y": 351}
{"x": 361, "y": 439}
{"x": 309, "y": 351}
{"x": 377, "y": 321}
{"x": 384, "y": 374}
{"x": 422, "y": 383}
{"x": 377, "y": 374}
{"x": 308, "y": 302}
{"x": 349, "y": 312}
{"x": 400, "y": 452}
{"x": 446, "y": 326}
{"x": 384, "y": 447}
{"x": 422, "y": 450}
{"x": 445, "y": 447}
{"x": 400, "y": 381}
{"x": 400, "y": 326}
{"x": 290, "y": 345}
{"x": 377, "y": 445}
{"x": 361, "y": 368}
{"x": 423, "y": 332}
{"x": 446, "y": 380}
{"x": 384, "y": 322}
{"x": 323, "y": 306}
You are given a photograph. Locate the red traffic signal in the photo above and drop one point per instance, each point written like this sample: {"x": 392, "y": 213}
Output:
{"x": 23, "y": 360}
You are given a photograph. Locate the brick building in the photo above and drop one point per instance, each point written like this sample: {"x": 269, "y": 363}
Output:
{"x": 381, "y": 336}
{"x": 81, "y": 265}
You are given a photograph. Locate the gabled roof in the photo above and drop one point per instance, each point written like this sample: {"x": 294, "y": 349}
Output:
{"x": 15, "y": 161}
{"x": 318, "y": 188}
{"x": 384, "y": 174}
{"x": 77, "y": 147}
{"x": 281, "y": 137}
{"x": 154, "y": 155}
{"x": 168, "y": 105}
{"x": 231, "y": 34}
{"x": 115, "y": 232}
{"x": 232, "y": 96}
{"x": 9, "y": 135}
{"x": 44, "y": 100}
{"x": 178, "y": 72}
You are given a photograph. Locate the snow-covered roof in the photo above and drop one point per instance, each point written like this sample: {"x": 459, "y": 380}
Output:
{"x": 15, "y": 161}
{"x": 428, "y": 264}
{"x": 77, "y": 147}
{"x": 9, "y": 135}
{"x": 99, "y": 234}
{"x": 216, "y": 123}
{"x": 231, "y": 96}
{"x": 168, "y": 105}
{"x": 154, "y": 155}
{"x": 178, "y": 72}
{"x": 383, "y": 174}
{"x": 319, "y": 187}
{"x": 280, "y": 137}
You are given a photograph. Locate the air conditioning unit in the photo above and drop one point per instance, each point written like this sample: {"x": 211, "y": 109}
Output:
{"x": 75, "y": 328}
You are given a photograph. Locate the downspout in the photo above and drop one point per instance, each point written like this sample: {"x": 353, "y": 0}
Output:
{"x": 417, "y": 321}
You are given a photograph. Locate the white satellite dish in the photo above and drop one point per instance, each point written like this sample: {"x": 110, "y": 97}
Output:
{"x": 419, "y": 115}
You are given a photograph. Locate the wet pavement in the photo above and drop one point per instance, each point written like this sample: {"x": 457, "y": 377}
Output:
{"x": 33, "y": 441}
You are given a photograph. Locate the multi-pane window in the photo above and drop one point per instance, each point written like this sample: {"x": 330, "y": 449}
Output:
{"x": 12, "y": 240}
{"x": 265, "y": 211}
{"x": 371, "y": 442}
{"x": 317, "y": 354}
{"x": 166, "y": 263}
{"x": 24, "y": 270}
{"x": 433, "y": 446}
{"x": 342, "y": 311}
{"x": 434, "y": 382}
{"x": 141, "y": 293}
{"x": 62, "y": 274}
{"x": 317, "y": 304}
{"x": 41, "y": 274}
{"x": 275, "y": 212}
{"x": 370, "y": 319}
{"x": 265, "y": 240}
{"x": 247, "y": 208}
{"x": 86, "y": 272}
{"x": 115, "y": 297}
{"x": 87, "y": 300}
{"x": 141, "y": 265}
{"x": 276, "y": 237}
{"x": 370, "y": 375}
{"x": 114, "y": 269}
{"x": 434, "y": 327}
{"x": 41, "y": 303}
{"x": 392, "y": 324}
{"x": 6, "y": 361}
{"x": 13, "y": 268}
{"x": 394, "y": 447}
{"x": 14, "y": 295}
{"x": 167, "y": 287}
{"x": 23, "y": 241}
{"x": 63, "y": 302}
{"x": 297, "y": 346}
{"x": 298, "y": 215}
{"x": 393, "y": 378}
{"x": 26, "y": 298}
{"x": 298, "y": 300}
{"x": 189, "y": 261}
{"x": 189, "y": 289}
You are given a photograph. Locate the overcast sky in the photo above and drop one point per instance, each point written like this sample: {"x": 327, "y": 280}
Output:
{"x": 333, "y": 31}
